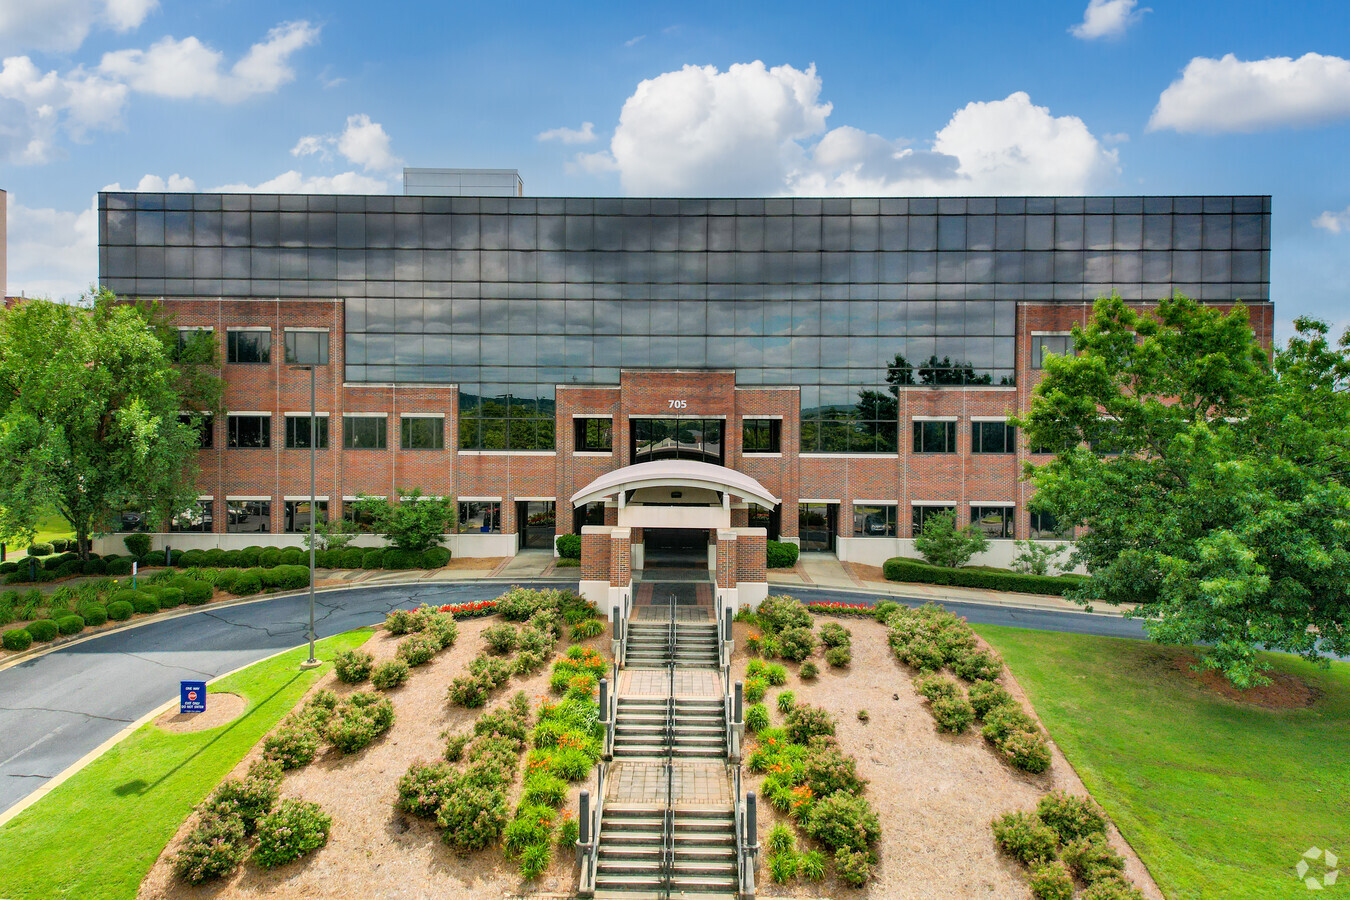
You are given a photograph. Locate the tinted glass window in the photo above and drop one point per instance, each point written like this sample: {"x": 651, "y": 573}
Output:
{"x": 248, "y": 431}
{"x": 249, "y": 347}
{"x": 298, "y": 432}
{"x": 423, "y": 433}
{"x": 364, "y": 432}
{"x": 307, "y": 348}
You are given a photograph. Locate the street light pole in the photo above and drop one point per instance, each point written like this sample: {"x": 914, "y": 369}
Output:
{"x": 313, "y": 441}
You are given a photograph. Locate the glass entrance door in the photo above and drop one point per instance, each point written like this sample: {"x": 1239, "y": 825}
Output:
{"x": 535, "y": 521}
{"x": 816, "y": 526}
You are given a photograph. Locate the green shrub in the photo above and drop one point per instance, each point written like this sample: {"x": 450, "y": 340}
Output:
{"x": 372, "y": 559}
{"x": 454, "y": 747}
{"x": 224, "y": 579}
{"x": 170, "y": 597}
{"x": 569, "y": 832}
{"x": 1111, "y": 889}
{"x": 922, "y": 654}
{"x": 569, "y": 546}
{"x": 193, "y": 558}
{"x": 786, "y": 702}
{"x": 832, "y": 634}
{"x": 418, "y": 649}
{"x": 359, "y": 720}
{"x": 780, "y": 554}
{"x": 120, "y": 610}
{"x": 1026, "y": 750}
{"x": 389, "y": 674}
{"x": 424, "y": 787}
{"x": 977, "y": 665}
{"x": 214, "y": 558}
{"x": 783, "y": 865}
{"x": 43, "y": 630}
{"x": 953, "y": 714}
{"x": 247, "y": 582}
{"x": 501, "y": 638}
{"x": 93, "y": 614}
{"x": 328, "y": 559}
{"x": 806, "y": 721}
{"x": 1024, "y": 837}
{"x": 93, "y": 566}
{"x": 914, "y": 571}
{"x": 828, "y": 769}
{"x": 250, "y": 798}
{"x": 70, "y": 624}
{"x": 269, "y": 557}
{"x": 526, "y": 663}
{"x": 249, "y": 556}
{"x": 294, "y": 828}
{"x": 469, "y": 691}
{"x": 986, "y": 696}
{"x": 472, "y": 817}
{"x": 843, "y": 821}
{"x": 1003, "y": 721}
{"x": 1091, "y": 859}
{"x": 797, "y": 644}
{"x": 41, "y": 548}
{"x": 213, "y": 849}
{"x": 195, "y": 592}
{"x": 535, "y": 860}
{"x": 293, "y": 556}
{"x": 839, "y": 657}
{"x": 353, "y": 666}
{"x": 494, "y": 671}
{"x": 119, "y": 566}
{"x": 545, "y": 788}
{"x": 352, "y": 558}
{"x": 1070, "y": 816}
{"x": 756, "y": 718}
{"x": 292, "y": 745}
{"x": 402, "y": 621}
{"x": 808, "y": 671}
{"x": 853, "y": 867}
{"x": 587, "y": 629}
{"x": 753, "y": 644}
{"x": 433, "y": 558}
{"x": 145, "y": 602}
{"x": 401, "y": 559}
{"x": 16, "y": 639}
{"x": 780, "y": 612}
{"x": 755, "y": 689}
{"x": 811, "y": 865}
{"x": 233, "y": 559}
{"x": 1051, "y": 881}
{"x": 137, "y": 544}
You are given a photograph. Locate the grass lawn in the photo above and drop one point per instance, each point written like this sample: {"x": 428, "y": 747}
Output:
{"x": 98, "y": 834}
{"x": 50, "y": 524}
{"x": 1220, "y": 799}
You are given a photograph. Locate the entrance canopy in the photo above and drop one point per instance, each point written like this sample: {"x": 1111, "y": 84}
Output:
{"x": 675, "y": 473}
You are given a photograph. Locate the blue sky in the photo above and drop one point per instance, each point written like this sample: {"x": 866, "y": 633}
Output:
{"x": 1085, "y": 96}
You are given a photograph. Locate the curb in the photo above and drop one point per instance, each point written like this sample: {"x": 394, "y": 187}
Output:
{"x": 51, "y": 647}
{"x": 897, "y": 593}
{"x": 74, "y": 768}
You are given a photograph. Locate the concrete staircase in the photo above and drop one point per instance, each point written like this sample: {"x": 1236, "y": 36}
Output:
{"x": 649, "y": 645}
{"x": 631, "y": 847}
{"x": 699, "y": 728}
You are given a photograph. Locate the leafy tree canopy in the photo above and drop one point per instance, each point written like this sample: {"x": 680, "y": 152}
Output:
{"x": 414, "y": 523}
{"x": 943, "y": 544}
{"x": 1210, "y": 478}
{"x": 90, "y": 397}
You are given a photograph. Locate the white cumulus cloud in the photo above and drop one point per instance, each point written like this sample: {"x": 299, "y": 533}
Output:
{"x": 1229, "y": 94}
{"x": 583, "y": 135}
{"x": 188, "y": 68}
{"x": 755, "y": 130}
{"x": 1107, "y": 19}
{"x": 362, "y": 142}
{"x": 52, "y": 253}
{"x": 175, "y": 183}
{"x": 1332, "y": 221}
{"x": 63, "y": 25}
{"x": 294, "y": 182}
{"x": 37, "y": 108}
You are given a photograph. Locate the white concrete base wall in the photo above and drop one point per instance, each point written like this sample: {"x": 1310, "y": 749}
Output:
{"x": 459, "y": 545}
{"x": 752, "y": 593}
{"x": 876, "y": 550}
{"x": 636, "y": 554}
{"x": 597, "y": 592}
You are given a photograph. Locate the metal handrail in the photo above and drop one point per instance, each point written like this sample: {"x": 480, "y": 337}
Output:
{"x": 745, "y": 854}
{"x": 668, "y": 818}
{"x": 591, "y": 862}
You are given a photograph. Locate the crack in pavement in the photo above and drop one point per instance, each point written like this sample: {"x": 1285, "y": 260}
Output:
{"x": 22, "y": 775}
{"x": 266, "y": 631}
{"x": 165, "y": 665}
{"x": 68, "y": 712}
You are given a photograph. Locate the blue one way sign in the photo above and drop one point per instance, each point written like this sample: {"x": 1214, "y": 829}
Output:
{"x": 192, "y": 697}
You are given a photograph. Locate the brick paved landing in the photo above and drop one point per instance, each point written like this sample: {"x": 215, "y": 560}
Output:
{"x": 691, "y": 683}
{"x": 693, "y": 784}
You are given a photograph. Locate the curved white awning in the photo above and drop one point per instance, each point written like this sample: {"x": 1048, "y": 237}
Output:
{"x": 675, "y": 473}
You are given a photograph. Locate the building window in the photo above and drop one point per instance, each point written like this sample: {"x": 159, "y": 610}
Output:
{"x": 307, "y": 348}
{"x": 249, "y": 431}
{"x": 194, "y": 518}
{"x": 1045, "y": 527}
{"x": 506, "y": 417}
{"x": 249, "y": 347}
{"x": 761, "y": 436}
{"x": 352, "y": 512}
{"x": 768, "y": 519}
{"x": 696, "y": 439}
{"x": 934, "y": 437}
{"x": 365, "y": 432}
{"x": 297, "y": 515}
{"x": 248, "y": 516}
{"x": 921, "y": 514}
{"x": 480, "y": 516}
{"x": 195, "y": 345}
{"x": 297, "y": 432}
{"x": 874, "y": 521}
{"x": 992, "y": 437}
{"x": 422, "y": 433}
{"x": 594, "y": 435}
{"x": 995, "y": 521}
{"x": 1041, "y": 344}
{"x": 850, "y": 419}
{"x": 205, "y": 425}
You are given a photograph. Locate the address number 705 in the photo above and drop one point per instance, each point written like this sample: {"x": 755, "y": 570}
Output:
{"x": 678, "y": 404}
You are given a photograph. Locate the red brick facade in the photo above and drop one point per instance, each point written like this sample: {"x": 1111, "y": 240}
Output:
{"x": 959, "y": 478}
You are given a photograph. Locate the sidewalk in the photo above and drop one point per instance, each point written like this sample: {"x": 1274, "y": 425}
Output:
{"x": 824, "y": 570}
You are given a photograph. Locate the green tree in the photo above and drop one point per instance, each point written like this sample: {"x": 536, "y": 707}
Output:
{"x": 943, "y": 544}
{"x": 90, "y": 397}
{"x": 1216, "y": 495}
{"x": 414, "y": 523}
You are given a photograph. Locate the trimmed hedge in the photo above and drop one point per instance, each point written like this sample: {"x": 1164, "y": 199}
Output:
{"x": 43, "y": 630}
{"x": 70, "y": 624}
{"x": 16, "y": 639}
{"x": 780, "y": 555}
{"x": 40, "y": 549}
{"x": 93, "y": 614}
{"x": 120, "y": 610}
{"x": 900, "y": 568}
{"x": 569, "y": 546}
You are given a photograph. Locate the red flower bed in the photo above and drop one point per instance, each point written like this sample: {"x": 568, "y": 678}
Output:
{"x": 840, "y": 609}
{"x": 471, "y": 610}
